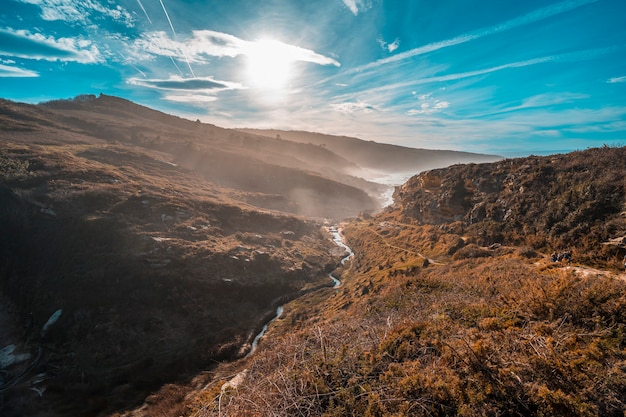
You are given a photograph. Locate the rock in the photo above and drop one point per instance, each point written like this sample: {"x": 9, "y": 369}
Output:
{"x": 47, "y": 211}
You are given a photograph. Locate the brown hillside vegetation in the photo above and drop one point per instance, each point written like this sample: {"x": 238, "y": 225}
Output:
{"x": 139, "y": 248}
{"x": 286, "y": 176}
{"x": 561, "y": 202}
{"x": 157, "y": 273}
{"x": 430, "y": 321}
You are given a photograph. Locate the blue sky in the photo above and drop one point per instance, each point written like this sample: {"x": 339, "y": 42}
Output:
{"x": 504, "y": 77}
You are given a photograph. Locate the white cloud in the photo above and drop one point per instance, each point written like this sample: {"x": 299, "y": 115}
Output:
{"x": 23, "y": 44}
{"x": 9, "y": 71}
{"x": 429, "y": 107}
{"x": 356, "y": 6}
{"x": 190, "y": 98}
{"x": 204, "y": 43}
{"x": 352, "y": 107}
{"x": 390, "y": 47}
{"x": 617, "y": 80}
{"x": 81, "y": 11}
{"x": 394, "y": 45}
{"x": 205, "y": 85}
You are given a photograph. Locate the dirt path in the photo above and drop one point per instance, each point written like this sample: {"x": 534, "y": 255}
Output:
{"x": 587, "y": 271}
{"x": 414, "y": 252}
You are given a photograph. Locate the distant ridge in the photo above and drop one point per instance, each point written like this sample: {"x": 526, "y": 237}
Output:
{"x": 381, "y": 156}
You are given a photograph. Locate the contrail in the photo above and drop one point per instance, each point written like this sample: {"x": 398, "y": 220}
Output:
{"x": 189, "y": 65}
{"x": 174, "y": 32}
{"x": 168, "y": 17}
{"x": 126, "y": 61}
{"x": 144, "y": 11}
{"x": 176, "y": 65}
{"x": 139, "y": 71}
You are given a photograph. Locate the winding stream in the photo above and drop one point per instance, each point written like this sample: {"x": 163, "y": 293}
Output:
{"x": 338, "y": 240}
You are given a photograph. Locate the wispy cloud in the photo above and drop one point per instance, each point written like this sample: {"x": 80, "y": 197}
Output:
{"x": 389, "y": 47}
{"x": 23, "y": 44}
{"x": 534, "y": 16}
{"x": 617, "y": 80}
{"x": 176, "y": 83}
{"x": 539, "y": 101}
{"x": 352, "y": 107}
{"x": 356, "y": 6}
{"x": 193, "y": 99}
{"x": 430, "y": 107}
{"x": 567, "y": 57}
{"x": 10, "y": 71}
{"x": 205, "y": 43}
{"x": 82, "y": 11}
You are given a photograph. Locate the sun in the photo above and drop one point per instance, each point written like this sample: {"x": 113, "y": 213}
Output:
{"x": 270, "y": 65}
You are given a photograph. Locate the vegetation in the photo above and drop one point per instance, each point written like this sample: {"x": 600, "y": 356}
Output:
{"x": 445, "y": 319}
{"x": 554, "y": 203}
{"x": 166, "y": 266}
{"x": 158, "y": 273}
{"x": 498, "y": 335}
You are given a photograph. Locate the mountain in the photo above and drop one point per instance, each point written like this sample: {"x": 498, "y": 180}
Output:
{"x": 292, "y": 177}
{"x": 140, "y": 254}
{"x": 452, "y": 305}
{"x": 559, "y": 202}
{"x": 139, "y": 248}
{"x": 378, "y": 157}
{"x": 121, "y": 270}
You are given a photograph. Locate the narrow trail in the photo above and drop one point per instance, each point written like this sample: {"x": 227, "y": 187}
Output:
{"x": 586, "y": 271}
{"x": 414, "y": 252}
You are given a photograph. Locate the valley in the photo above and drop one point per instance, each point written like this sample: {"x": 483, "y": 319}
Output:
{"x": 163, "y": 247}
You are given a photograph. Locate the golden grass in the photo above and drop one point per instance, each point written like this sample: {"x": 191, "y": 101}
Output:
{"x": 476, "y": 336}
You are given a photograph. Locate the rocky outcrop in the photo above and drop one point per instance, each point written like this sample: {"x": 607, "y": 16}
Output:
{"x": 558, "y": 200}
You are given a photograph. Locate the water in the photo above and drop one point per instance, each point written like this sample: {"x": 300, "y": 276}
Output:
{"x": 255, "y": 342}
{"x": 337, "y": 283}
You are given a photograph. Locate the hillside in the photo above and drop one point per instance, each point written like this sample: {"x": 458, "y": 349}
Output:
{"x": 440, "y": 315}
{"x": 140, "y": 253}
{"x": 156, "y": 272}
{"x": 290, "y": 176}
{"x": 554, "y": 203}
{"x": 122, "y": 269}
{"x": 378, "y": 157}
{"x": 139, "y": 248}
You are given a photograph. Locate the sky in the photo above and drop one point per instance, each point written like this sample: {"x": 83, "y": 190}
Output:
{"x": 497, "y": 76}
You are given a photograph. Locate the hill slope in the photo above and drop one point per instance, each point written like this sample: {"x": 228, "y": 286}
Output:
{"x": 575, "y": 201}
{"x": 380, "y": 156}
{"x": 289, "y": 175}
{"x": 139, "y": 248}
{"x": 121, "y": 270}
{"x": 439, "y": 316}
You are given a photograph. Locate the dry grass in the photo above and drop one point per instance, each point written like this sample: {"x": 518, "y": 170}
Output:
{"x": 159, "y": 273}
{"x": 477, "y": 336}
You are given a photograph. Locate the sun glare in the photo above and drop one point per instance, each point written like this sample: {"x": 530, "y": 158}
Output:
{"x": 269, "y": 65}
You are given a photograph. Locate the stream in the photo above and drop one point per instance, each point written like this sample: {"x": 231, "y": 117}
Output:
{"x": 338, "y": 240}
